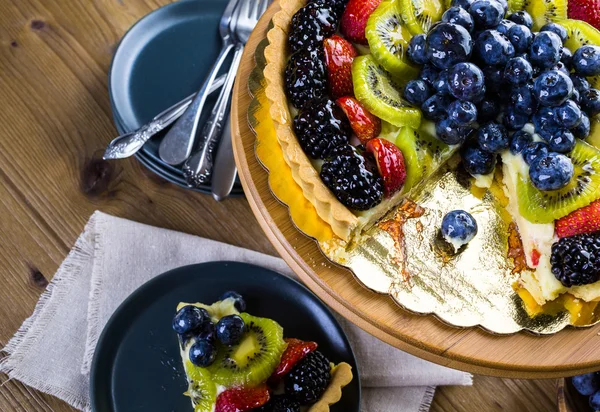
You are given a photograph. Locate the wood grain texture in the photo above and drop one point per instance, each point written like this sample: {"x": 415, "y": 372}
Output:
{"x": 56, "y": 120}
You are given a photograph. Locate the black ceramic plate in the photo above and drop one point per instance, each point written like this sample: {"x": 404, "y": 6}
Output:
{"x": 137, "y": 364}
{"x": 163, "y": 58}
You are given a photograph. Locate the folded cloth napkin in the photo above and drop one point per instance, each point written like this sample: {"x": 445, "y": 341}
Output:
{"x": 53, "y": 349}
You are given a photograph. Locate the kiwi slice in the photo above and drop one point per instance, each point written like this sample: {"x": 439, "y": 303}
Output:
{"x": 217, "y": 310}
{"x": 254, "y": 359}
{"x": 515, "y": 5}
{"x": 374, "y": 88}
{"x": 202, "y": 390}
{"x": 423, "y": 152}
{"x": 581, "y": 34}
{"x": 545, "y": 207}
{"x": 546, "y": 11}
{"x": 419, "y": 15}
{"x": 388, "y": 40}
{"x": 594, "y": 137}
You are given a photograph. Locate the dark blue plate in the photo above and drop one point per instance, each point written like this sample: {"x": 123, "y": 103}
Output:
{"x": 137, "y": 365}
{"x": 162, "y": 59}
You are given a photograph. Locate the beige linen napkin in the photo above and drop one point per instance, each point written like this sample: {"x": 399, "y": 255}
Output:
{"x": 53, "y": 349}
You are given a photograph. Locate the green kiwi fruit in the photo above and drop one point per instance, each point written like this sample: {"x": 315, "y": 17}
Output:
{"x": 419, "y": 15}
{"x": 423, "y": 153}
{"x": 594, "y": 137}
{"x": 388, "y": 40}
{"x": 254, "y": 358}
{"x": 202, "y": 390}
{"x": 546, "y": 11}
{"x": 515, "y": 5}
{"x": 581, "y": 34}
{"x": 217, "y": 310}
{"x": 375, "y": 89}
{"x": 545, "y": 207}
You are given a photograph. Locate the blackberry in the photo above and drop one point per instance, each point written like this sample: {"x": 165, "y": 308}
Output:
{"x": 338, "y": 6}
{"x": 352, "y": 178}
{"x": 320, "y": 127}
{"x": 306, "y": 77}
{"x": 280, "y": 403}
{"x": 576, "y": 260}
{"x": 311, "y": 25}
{"x": 307, "y": 381}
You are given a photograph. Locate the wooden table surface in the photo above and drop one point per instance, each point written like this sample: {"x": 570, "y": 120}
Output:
{"x": 56, "y": 120}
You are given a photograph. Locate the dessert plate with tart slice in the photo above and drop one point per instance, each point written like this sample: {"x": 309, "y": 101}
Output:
{"x": 439, "y": 154}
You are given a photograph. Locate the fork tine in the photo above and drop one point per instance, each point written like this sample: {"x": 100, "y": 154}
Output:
{"x": 254, "y": 11}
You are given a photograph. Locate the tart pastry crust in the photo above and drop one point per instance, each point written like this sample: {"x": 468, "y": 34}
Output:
{"x": 341, "y": 375}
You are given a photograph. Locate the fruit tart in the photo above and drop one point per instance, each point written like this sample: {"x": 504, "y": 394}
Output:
{"x": 238, "y": 362}
{"x": 369, "y": 98}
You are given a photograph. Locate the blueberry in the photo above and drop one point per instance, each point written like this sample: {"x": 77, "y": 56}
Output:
{"x": 450, "y": 133}
{"x": 466, "y": 81}
{"x": 568, "y": 114}
{"x": 520, "y": 37}
{"x": 448, "y": 44}
{"x": 459, "y": 226}
{"x": 417, "y": 91}
{"x": 566, "y": 57}
{"x": 486, "y": 13}
{"x": 522, "y": 17}
{"x": 590, "y": 102}
{"x": 462, "y": 113}
{"x": 551, "y": 172}
{"x": 595, "y": 401}
{"x": 576, "y": 97}
{"x": 586, "y": 384}
{"x": 534, "y": 150}
{"x": 416, "y": 50}
{"x": 582, "y": 130}
{"x": 514, "y": 119}
{"x": 441, "y": 84}
{"x": 188, "y": 319}
{"x": 580, "y": 83}
{"x": 230, "y": 329}
{"x": 458, "y": 15}
{"x": 504, "y": 26}
{"x": 488, "y": 109}
{"x": 518, "y": 71}
{"x": 586, "y": 60}
{"x": 557, "y": 29}
{"x": 465, "y": 4}
{"x": 561, "y": 141}
{"x": 493, "y": 77}
{"x": 493, "y": 48}
{"x": 240, "y": 303}
{"x": 477, "y": 161}
{"x": 523, "y": 100}
{"x": 428, "y": 74}
{"x": 207, "y": 332}
{"x": 504, "y": 4}
{"x": 435, "y": 107}
{"x": 545, "y": 118}
{"x": 492, "y": 137}
{"x": 545, "y": 50}
{"x": 553, "y": 88}
{"x": 519, "y": 141}
{"x": 202, "y": 353}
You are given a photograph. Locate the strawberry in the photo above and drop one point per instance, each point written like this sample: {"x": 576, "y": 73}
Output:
{"x": 242, "y": 399}
{"x": 296, "y": 351}
{"x": 585, "y": 220}
{"x": 339, "y": 55}
{"x": 365, "y": 125}
{"x": 586, "y": 10}
{"x": 390, "y": 162}
{"x": 354, "y": 19}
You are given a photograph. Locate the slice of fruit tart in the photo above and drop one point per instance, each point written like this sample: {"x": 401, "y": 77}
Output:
{"x": 369, "y": 98}
{"x": 236, "y": 362}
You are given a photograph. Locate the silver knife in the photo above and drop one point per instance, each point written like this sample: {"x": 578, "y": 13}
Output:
{"x": 225, "y": 170}
{"x": 128, "y": 144}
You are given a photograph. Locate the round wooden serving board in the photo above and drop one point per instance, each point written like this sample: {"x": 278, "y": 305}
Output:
{"x": 569, "y": 352}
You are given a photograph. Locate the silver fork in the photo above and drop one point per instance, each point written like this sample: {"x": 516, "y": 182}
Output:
{"x": 198, "y": 168}
{"x": 177, "y": 144}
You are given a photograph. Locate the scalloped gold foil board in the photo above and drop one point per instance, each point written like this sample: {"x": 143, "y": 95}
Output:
{"x": 473, "y": 288}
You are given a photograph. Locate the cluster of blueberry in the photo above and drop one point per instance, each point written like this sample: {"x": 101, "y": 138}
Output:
{"x": 589, "y": 385}
{"x": 194, "y": 322}
{"x": 481, "y": 71}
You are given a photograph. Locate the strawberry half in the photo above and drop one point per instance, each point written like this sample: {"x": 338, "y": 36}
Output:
{"x": 296, "y": 351}
{"x": 354, "y": 19}
{"x": 586, "y": 10}
{"x": 242, "y": 399}
{"x": 365, "y": 125}
{"x": 585, "y": 220}
{"x": 339, "y": 55}
{"x": 390, "y": 162}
